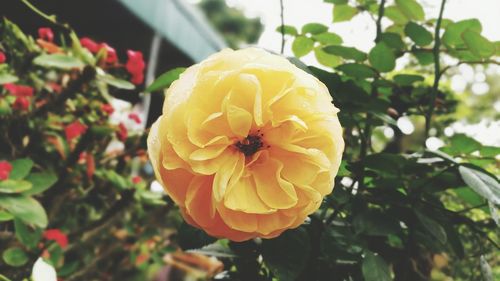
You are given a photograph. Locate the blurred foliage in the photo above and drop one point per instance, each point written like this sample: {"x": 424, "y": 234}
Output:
{"x": 234, "y": 26}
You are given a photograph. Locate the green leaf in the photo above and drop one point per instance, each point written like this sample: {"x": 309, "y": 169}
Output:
{"x": 338, "y": 2}
{"x": 7, "y": 78}
{"x": 164, "y": 80}
{"x": 432, "y": 226}
{"x": 486, "y": 270}
{"x": 302, "y": 45}
{"x": 407, "y": 79}
{"x": 3, "y": 278}
{"x": 452, "y": 36}
{"x": 116, "y": 82}
{"x": 395, "y": 14}
{"x": 14, "y": 186}
{"x": 288, "y": 29}
{"x": 347, "y": 53}
{"x": 41, "y": 182}
{"x": 393, "y": 40}
{"x": 15, "y": 257}
{"x": 5, "y": 108}
{"x": 287, "y": 254}
{"x": 418, "y": 34}
{"x": 382, "y": 57}
{"x": 375, "y": 223}
{"x": 58, "y": 61}
{"x": 328, "y": 38}
{"x": 460, "y": 144}
{"x": 411, "y": 9}
{"x": 115, "y": 178}
{"x": 25, "y": 235}
{"x": 478, "y": 45}
{"x": 314, "y": 28}
{"x": 25, "y": 208}
{"x": 5, "y": 216}
{"x": 325, "y": 58}
{"x": 423, "y": 57}
{"x": 215, "y": 250}
{"x": 357, "y": 70}
{"x": 375, "y": 268}
{"x": 343, "y": 12}
{"x": 482, "y": 183}
{"x": 20, "y": 168}
{"x": 489, "y": 151}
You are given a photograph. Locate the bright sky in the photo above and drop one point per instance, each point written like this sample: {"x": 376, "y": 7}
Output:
{"x": 360, "y": 31}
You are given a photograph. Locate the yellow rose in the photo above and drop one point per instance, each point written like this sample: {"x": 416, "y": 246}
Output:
{"x": 248, "y": 144}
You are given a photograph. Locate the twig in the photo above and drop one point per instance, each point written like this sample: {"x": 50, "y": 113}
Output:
{"x": 88, "y": 231}
{"x": 437, "y": 71}
{"x": 469, "y": 62}
{"x": 282, "y": 27}
{"x": 365, "y": 136}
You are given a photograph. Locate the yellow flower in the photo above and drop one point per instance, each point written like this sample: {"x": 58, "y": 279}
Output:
{"x": 248, "y": 144}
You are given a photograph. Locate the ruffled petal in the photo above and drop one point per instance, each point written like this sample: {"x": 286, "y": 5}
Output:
{"x": 243, "y": 197}
{"x": 272, "y": 189}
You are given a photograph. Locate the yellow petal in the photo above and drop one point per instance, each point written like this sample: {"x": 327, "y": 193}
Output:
{"x": 239, "y": 120}
{"x": 243, "y": 197}
{"x": 199, "y": 202}
{"x": 274, "y": 191}
{"x": 229, "y": 173}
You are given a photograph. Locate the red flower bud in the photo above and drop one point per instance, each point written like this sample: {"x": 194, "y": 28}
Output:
{"x": 89, "y": 44}
{"x": 135, "y": 66}
{"x": 136, "y": 179}
{"x": 111, "y": 56}
{"x": 21, "y": 103}
{"x": 5, "y": 169}
{"x": 19, "y": 90}
{"x": 107, "y": 108}
{"x": 74, "y": 130}
{"x": 2, "y": 58}
{"x": 135, "y": 117}
{"x": 122, "y": 132}
{"x": 46, "y": 34}
{"x": 56, "y": 235}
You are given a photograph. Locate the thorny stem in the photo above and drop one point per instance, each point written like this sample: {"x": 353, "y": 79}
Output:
{"x": 365, "y": 138}
{"x": 282, "y": 27}
{"x": 437, "y": 71}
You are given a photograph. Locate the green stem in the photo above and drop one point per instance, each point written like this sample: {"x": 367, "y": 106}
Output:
{"x": 437, "y": 71}
{"x": 282, "y": 27}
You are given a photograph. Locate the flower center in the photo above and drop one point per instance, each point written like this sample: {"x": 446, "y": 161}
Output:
{"x": 250, "y": 145}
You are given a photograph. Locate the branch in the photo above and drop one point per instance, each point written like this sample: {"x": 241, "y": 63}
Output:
{"x": 282, "y": 27}
{"x": 469, "y": 62}
{"x": 437, "y": 71}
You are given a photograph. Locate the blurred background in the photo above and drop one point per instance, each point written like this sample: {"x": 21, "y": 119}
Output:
{"x": 173, "y": 33}
{"x": 178, "y": 33}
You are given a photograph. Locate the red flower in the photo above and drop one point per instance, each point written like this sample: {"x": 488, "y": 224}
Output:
{"x": 74, "y": 130}
{"x": 107, "y": 108}
{"x": 90, "y": 44}
{"x": 57, "y": 236}
{"x": 136, "y": 179}
{"x": 111, "y": 56}
{"x": 135, "y": 117}
{"x": 122, "y": 132}
{"x": 5, "y": 169}
{"x": 135, "y": 66}
{"x": 46, "y": 34}
{"x": 21, "y": 103}
{"x": 55, "y": 87}
{"x": 2, "y": 57}
{"x": 19, "y": 90}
